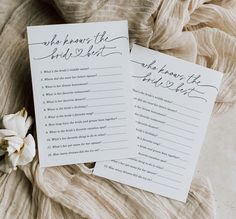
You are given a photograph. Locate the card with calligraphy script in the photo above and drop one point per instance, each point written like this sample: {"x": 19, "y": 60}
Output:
{"x": 173, "y": 101}
{"x": 82, "y": 92}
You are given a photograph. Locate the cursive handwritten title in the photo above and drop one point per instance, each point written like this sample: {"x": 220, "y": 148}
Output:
{"x": 67, "y": 47}
{"x": 160, "y": 76}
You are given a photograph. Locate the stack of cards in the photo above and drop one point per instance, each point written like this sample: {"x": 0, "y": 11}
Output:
{"x": 141, "y": 116}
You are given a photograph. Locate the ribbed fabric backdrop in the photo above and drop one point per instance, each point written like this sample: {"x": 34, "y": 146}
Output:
{"x": 199, "y": 31}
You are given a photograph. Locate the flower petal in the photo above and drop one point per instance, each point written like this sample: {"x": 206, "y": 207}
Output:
{"x": 28, "y": 151}
{"x": 23, "y": 113}
{"x": 15, "y": 143}
{"x": 7, "y": 132}
{"x": 15, "y": 123}
{"x": 12, "y": 160}
{"x": 29, "y": 121}
{"x": 9, "y": 141}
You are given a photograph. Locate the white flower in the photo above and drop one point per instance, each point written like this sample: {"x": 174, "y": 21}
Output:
{"x": 19, "y": 122}
{"x": 15, "y": 147}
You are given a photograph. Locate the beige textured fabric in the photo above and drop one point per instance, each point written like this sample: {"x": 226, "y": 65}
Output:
{"x": 200, "y": 31}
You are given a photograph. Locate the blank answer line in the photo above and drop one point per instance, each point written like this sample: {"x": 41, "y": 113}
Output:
{"x": 183, "y": 114}
{"x": 180, "y": 128}
{"x": 123, "y": 118}
{"x": 114, "y": 104}
{"x": 105, "y": 75}
{"x": 186, "y": 107}
{"x": 107, "y": 90}
{"x": 180, "y": 136}
{"x": 175, "y": 142}
{"x": 183, "y": 160}
{"x": 176, "y": 166}
{"x": 116, "y": 126}
{"x": 187, "y": 123}
{"x": 119, "y": 111}
{"x": 121, "y": 133}
{"x": 111, "y": 149}
{"x": 100, "y": 98}
{"x": 153, "y": 119}
{"x": 172, "y": 187}
{"x": 108, "y": 142}
{"x": 174, "y": 180}
{"x": 170, "y": 148}
{"x": 192, "y": 117}
{"x": 107, "y": 82}
{"x": 106, "y": 67}
{"x": 83, "y": 69}
{"x": 170, "y": 171}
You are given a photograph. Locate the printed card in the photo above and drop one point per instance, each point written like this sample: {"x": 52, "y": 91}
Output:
{"x": 82, "y": 92}
{"x": 173, "y": 101}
